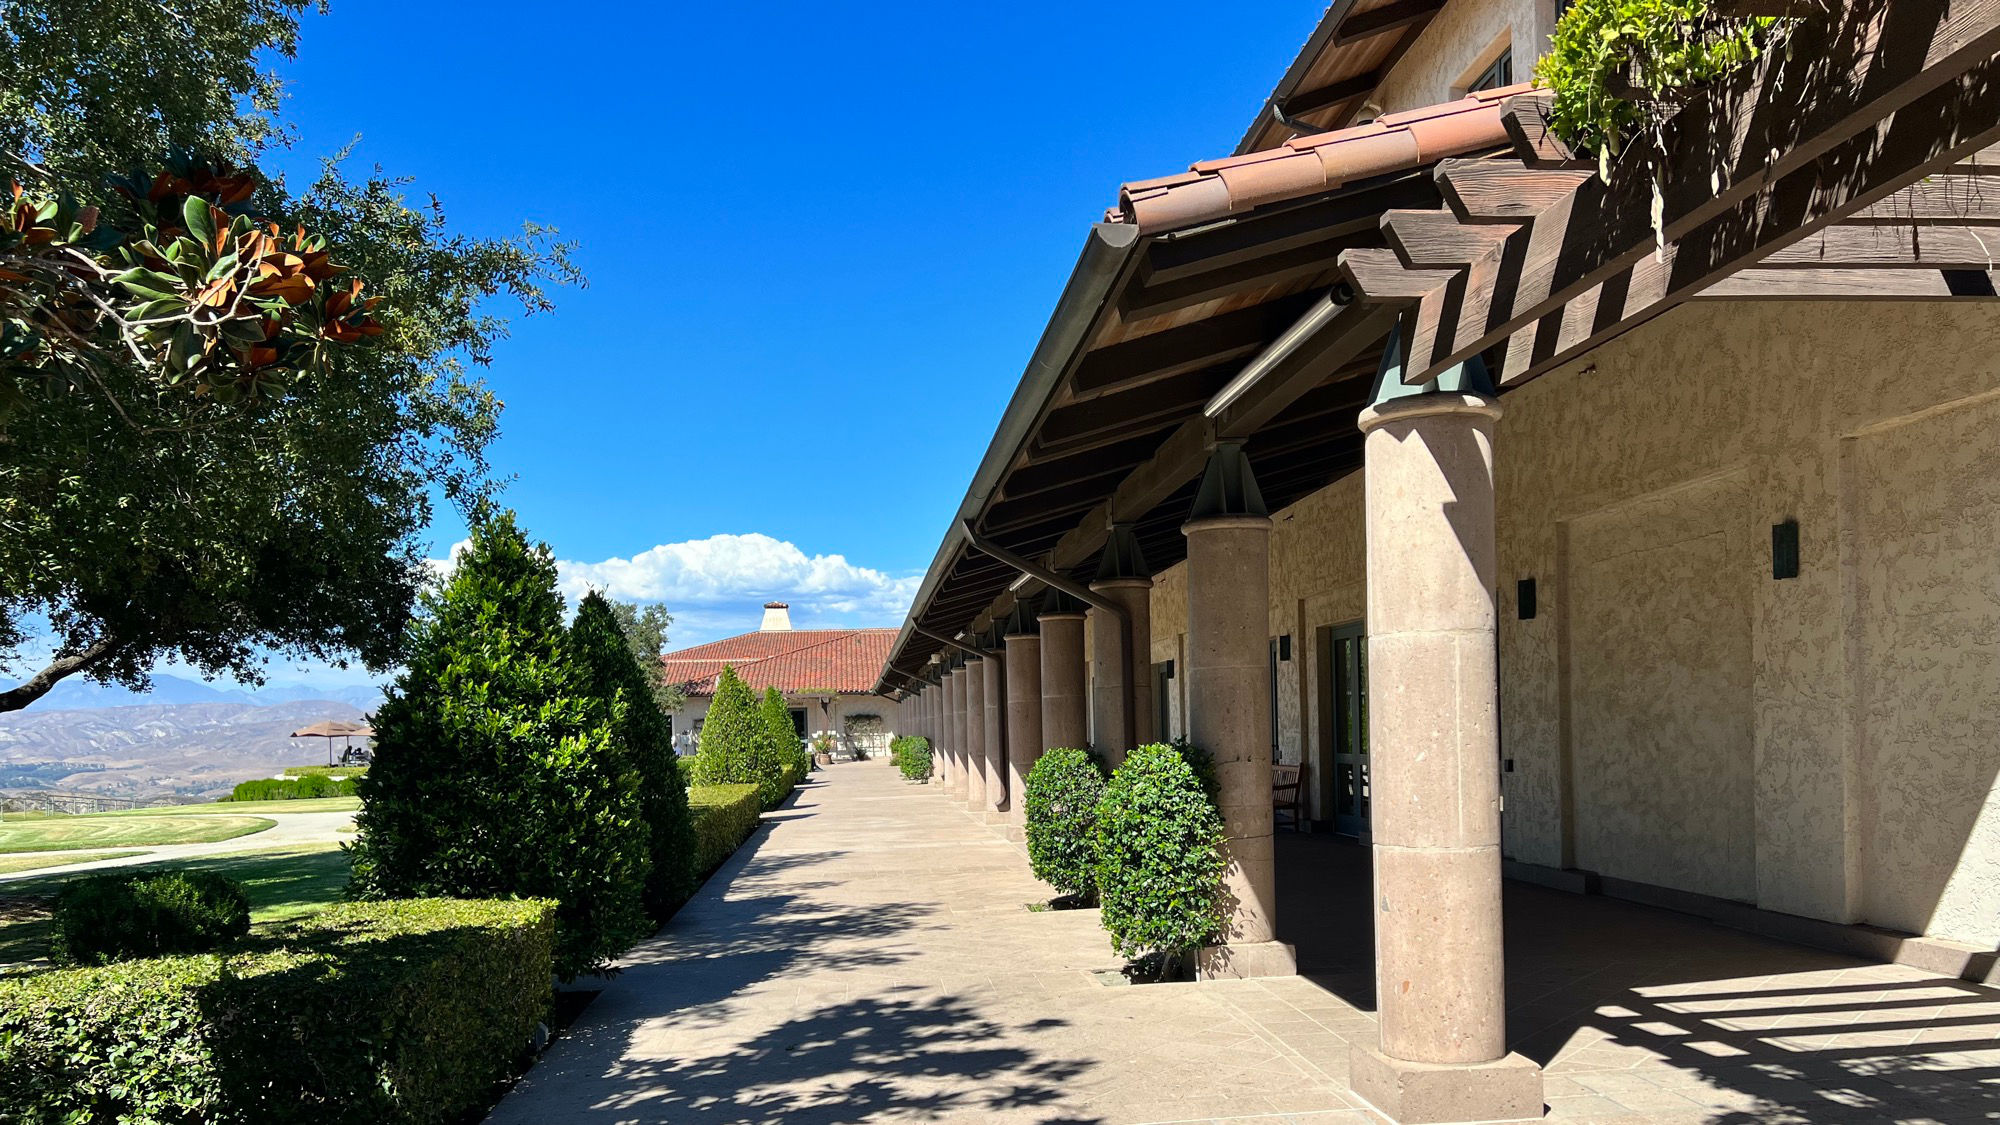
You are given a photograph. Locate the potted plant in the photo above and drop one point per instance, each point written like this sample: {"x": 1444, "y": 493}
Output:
{"x": 823, "y": 744}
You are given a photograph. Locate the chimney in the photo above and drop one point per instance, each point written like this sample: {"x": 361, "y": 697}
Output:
{"x": 777, "y": 618}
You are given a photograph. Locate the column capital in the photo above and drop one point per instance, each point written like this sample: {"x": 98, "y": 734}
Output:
{"x": 1428, "y": 405}
{"x": 1122, "y": 558}
{"x": 1056, "y": 603}
{"x": 1228, "y": 488}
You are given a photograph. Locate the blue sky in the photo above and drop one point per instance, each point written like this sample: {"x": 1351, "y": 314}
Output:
{"x": 821, "y": 242}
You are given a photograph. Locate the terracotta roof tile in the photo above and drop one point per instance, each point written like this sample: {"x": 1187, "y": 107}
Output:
{"x": 1216, "y": 189}
{"x": 799, "y": 660}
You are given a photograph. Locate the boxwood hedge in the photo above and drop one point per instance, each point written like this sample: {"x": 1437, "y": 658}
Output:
{"x": 408, "y": 1012}
{"x": 912, "y": 755}
{"x": 304, "y": 788}
{"x": 724, "y": 816}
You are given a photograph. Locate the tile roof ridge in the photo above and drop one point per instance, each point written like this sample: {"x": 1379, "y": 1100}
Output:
{"x": 1395, "y": 142}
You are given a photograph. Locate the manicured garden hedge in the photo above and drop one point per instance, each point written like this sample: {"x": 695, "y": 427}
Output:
{"x": 408, "y": 1012}
{"x": 724, "y": 816}
{"x": 326, "y": 771}
{"x": 294, "y": 788}
{"x": 912, "y": 755}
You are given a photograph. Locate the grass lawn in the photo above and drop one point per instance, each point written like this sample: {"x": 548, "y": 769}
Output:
{"x": 225, "y": 808}
{"x": 66, "y": 833}
{"x": 284, "y": 884}
{"x": 12, "y": 863}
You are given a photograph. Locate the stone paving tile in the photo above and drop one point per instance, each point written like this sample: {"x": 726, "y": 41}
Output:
{"x": 869, "y": 957}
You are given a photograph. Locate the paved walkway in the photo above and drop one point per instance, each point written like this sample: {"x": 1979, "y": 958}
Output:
{"x": 869, "y": 957}
{"x": 289, "y": 830}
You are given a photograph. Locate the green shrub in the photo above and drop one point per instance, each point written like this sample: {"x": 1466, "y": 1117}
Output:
{"x": 731, "y": 748}
{"x": 407, "y": 1013}
{"x": 1664, "y": 47}
{"x": 499, "y": 769}
{"x": 1158, "y": 844}
{"x": 325, "y": 771}
{"x": 912, "y": 755}
{"x": 309, "y": 787}
{"x": 1062, "y": 792}
{"x": 785, "y": 759}
{"x": 601, "y": 646}
{"x": 724, "y": 816}
{"x": 104, "y": 918}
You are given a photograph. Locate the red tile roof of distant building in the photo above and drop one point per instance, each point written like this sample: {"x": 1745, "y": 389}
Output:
{"x": 794, "y": 661}
{"x": 1394, "y": 142}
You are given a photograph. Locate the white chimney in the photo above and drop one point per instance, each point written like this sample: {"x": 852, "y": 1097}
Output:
{"x": 777, "y": 618}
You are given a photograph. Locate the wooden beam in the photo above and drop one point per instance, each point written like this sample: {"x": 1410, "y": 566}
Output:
{"x": 1759, "y": 284}
{"x": 1154, "y": 300}
{"x": 1388, "y": 17}
{"x": 1229, "y": 336}
{"x": 1332, "y": 94}
{"x": 1876, "y": 246}
{"x": 1836, "y": 78}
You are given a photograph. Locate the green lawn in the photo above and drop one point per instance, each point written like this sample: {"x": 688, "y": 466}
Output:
{"x": 13, "y": 863}
{"x": 224, "y": 808}
{"x": 67, "y": 833}
{"x": 284, "y": 884}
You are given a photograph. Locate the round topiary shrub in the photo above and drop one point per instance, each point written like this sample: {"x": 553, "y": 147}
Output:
{"x": 1062, "y": 793}
{"x": 912, "y": 755}
{"x": 1158, "y": 849}
{"x": 108, "y": 918}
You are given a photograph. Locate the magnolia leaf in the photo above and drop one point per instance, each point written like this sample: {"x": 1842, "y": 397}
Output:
{"x": 199, "y": 223}
{"x": 142, "y": 282}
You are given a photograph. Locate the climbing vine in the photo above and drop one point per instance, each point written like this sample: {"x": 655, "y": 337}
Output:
{"x": 1620, "y": 68}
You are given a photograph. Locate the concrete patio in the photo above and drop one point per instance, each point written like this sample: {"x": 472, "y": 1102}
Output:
{"x": 869, "y": 956}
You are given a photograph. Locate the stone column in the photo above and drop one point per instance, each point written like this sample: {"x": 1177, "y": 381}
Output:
{"x": 994, "y": 739}
{"x": 975, "y": 735}
{"x": 1121, "y": 650}
{"x": 1228, "y": 679}
{"x": 1432, "y": 732}
{"x": 955, "y": 732}
{"x": 1065, "y": 722}
{"x": 1024, "y": 724}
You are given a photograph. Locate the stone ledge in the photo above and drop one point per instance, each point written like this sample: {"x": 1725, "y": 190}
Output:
{"x": 1412, "y": 1093}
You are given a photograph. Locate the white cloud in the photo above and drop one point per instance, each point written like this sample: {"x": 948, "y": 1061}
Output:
{"x": 716, "y": 587}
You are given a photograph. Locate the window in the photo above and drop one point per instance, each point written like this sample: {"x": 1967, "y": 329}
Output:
{"x": 1498, "y": 73}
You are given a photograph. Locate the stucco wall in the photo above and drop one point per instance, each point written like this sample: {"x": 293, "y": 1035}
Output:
{"x": 1460, "y": 39}
{"x": 1823, "y": 745}
{"x": 844, "y": 705}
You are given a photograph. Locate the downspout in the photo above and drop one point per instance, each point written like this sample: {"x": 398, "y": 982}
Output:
{"x": 1076, "y": 590}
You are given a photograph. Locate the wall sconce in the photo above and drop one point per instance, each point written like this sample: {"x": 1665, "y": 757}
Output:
{"x": 1285, "y": 647}
{"x": 1785, "y": 549}
{"x": 1524, "y": 599}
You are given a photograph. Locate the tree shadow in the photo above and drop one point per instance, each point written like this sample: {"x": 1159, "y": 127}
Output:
{"x": 1774, "y": 1032}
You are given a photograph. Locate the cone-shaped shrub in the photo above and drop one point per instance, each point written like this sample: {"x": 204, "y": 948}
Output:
{"x": 785, "y": 751}
{"x": 600, "y": 645}
{"x": 498, "y": 771}
{"x": 732, "y": 736}
{"x": 1062, "y": 793}
{"x": 1158, "y": 843}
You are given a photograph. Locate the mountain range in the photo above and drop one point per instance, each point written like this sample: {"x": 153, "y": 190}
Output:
{"x": 76, "y": 694}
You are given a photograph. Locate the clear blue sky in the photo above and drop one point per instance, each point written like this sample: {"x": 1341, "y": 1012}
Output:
{"x": 821, "y": 240}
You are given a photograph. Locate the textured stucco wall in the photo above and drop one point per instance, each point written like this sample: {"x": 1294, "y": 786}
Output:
{"x": 1461, "y": 38}
{"x": 1824, "y": 745}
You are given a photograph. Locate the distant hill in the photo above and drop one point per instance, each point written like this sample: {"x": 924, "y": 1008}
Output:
{"x": 78, "y": 694}
{"x": 160, "y": 751}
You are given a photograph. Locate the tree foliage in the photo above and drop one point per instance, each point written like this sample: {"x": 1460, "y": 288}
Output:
{"x": 1158, "y": 856}
{"x": 141, "y": 522}
{"x": 606, "y": 653}
{"x": 499, "y": 771}
{"x": 785, "y": 752}
{"x": 1062, "y": 791}
{"x": 646, "y": 628}
{"x": 732, "y": 747}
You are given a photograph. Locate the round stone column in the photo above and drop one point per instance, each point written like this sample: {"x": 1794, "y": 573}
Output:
{"x": 975, "y": 735}
{"x": 1229, "y": 693}
{"x": 955, "y": 732}
{"x": 1434, "y": 743}
{"x": 1024, "y": 724}
{"x": 1123, "y": 662}
{"x": 1065, "y": 723}
{"x": 993, "y": 738}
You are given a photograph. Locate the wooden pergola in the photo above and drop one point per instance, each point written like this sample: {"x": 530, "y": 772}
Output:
{"x": 1852, "y": 163}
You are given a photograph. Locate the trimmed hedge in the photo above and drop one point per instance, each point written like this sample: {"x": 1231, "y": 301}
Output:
{"x": 294, "y": 788}
{"x": 326, "y": 771}
{"x": 104, "y": 918}
{"x": 408, "y": 1012}
{"x": 1158, "y": 842}
{"x": 1062, "y": 791}
{"x": 724, "y": 816}
{"x": 912, "y": 755}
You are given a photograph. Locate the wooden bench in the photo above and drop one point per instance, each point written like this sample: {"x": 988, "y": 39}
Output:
{"x": 1288, "y": 787}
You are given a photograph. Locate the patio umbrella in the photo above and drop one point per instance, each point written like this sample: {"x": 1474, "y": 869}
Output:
{"x": 332, "y": 729}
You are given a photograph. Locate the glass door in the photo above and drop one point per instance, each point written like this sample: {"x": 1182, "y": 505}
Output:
{"x": 1346, "y": 661}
